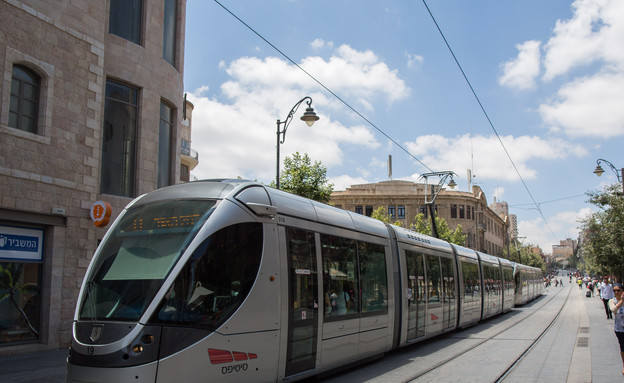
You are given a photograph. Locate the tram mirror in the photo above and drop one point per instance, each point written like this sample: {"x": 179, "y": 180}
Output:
{"x": 262, "y": 210}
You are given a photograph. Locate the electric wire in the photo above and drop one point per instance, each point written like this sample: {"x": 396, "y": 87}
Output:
{"x": 324, "y": 87}
{"x": 474, "y": 93}
{"x": 379, "y": 129}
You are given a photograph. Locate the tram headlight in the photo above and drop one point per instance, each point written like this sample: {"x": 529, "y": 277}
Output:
{"x": 137, "y": 349}
{"x": 148, "y": 339}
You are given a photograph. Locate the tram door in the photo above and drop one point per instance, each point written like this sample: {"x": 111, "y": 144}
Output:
{"x": 302, "y": 301}
{"x": 416, "y": 295}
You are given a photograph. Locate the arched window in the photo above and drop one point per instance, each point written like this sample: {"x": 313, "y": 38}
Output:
{"x": 24, "y": 109}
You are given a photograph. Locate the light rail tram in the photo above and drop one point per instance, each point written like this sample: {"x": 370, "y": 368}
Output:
{"x": 232, "y": 281}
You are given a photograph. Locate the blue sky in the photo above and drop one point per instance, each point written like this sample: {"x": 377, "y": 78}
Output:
{"x": 549, "y": 74}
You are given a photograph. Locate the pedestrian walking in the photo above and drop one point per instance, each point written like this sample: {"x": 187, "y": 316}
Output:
{"x": 606, "y": 293}
{"x": 615, "y": 305}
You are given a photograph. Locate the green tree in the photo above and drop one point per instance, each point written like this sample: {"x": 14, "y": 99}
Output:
{"x": 381, "y": 214}
{"x": 305, "y": 179}
{"x": 423, "y": 225}
{"x": 521, "y": 253}
{"x": 603, "y": 247}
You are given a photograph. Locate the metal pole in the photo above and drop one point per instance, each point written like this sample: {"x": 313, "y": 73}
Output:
{"x": 277, "y": 177}
{"x": 434, "y": 228}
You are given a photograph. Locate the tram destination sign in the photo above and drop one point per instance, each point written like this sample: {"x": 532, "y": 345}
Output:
{"x": 21, "y": 244}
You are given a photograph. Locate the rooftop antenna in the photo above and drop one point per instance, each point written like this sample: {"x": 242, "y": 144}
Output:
{"x": 390, "y": 167}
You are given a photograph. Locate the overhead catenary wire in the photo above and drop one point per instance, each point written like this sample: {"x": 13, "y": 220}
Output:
{"x": 474, "y": 93}
{"x": 379, "y": 129}
{"x": 325, "y": 87}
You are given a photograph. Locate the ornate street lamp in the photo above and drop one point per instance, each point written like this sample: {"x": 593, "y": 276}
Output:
{"x": 434, "y": 193}
{"x": 599, "y": 170}
{"x": 309, "y": 117}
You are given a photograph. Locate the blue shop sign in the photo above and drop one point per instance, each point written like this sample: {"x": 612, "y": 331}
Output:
{"x": 21, "y": 244}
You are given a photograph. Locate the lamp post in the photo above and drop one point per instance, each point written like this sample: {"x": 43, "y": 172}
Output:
{"x": 309, "y": 117}
{"x": 599, "y": 170}
{"x": 434, "y": 193}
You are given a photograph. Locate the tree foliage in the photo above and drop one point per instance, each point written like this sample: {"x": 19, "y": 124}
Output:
{"x": 422, "y": 225}
{"x": 603, "y": 245}
{"x": 305, "y": 179}
{"x": 381, "y": 214}
{"x": 518, "y": 252}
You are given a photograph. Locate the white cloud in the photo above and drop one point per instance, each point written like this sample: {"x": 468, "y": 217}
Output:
{"x": 234, "y": 132}
{"x": 564, "y": 224}
{"x": 318, "y": 44}
{"x": 589, "y": 106}
{"x": 586, "y": 52}
{"x": 414, "y": 60}
{"x": 594, "y": 33}
{"x": 521, "y": 72}
{"x": 356, "y": 74}
{"x": 498, "y": 193}
{"x": 487, "y": 157}
{"x": 344, "y": 181}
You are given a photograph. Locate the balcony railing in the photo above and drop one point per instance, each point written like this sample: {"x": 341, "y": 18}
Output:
{"x": 190, "y": 153}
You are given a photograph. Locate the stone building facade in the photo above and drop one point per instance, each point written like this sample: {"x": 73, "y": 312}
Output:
{"x": 91, "y": 109}
{"x": 485, "y": 230}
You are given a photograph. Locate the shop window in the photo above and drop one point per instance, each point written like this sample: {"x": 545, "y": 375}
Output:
{"x": 20, "y": 284}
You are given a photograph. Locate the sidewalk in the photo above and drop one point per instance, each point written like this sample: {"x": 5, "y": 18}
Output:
{"x": 38, "y": 367}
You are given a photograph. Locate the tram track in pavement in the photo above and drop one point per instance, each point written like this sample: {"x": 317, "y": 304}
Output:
{"x": 510, "y": 366}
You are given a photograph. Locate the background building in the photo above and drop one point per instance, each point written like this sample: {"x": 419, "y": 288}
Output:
{"x": 91, "y": 109}
{"x": 564, "y": 250}
{"x": 485, "y": 229}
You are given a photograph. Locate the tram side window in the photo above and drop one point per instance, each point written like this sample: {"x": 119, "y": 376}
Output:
{"x": 303, "y": 287}
{"x": 449, "y": 279}
{"x": 216, "y": 279}
{"x": 433, "y": 278}
{"x": 373, "y": 277}
{"x": 339, "y": 276}
{"x": 471, "y": 280}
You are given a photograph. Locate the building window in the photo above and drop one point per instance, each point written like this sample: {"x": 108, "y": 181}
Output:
{"x": 401, "y": 212}
{"x": 369, "y": 211}
{"x": 24, "y": 108}
{"x": 392, "y": 211}
{"x": 119, "y": 140}
{"x": 169, "y": 31}
{"x": 423, "y": 210}
{"x": 125, "y": 19}
{"x": 185, "y": 173}
{"x": 453, "y": 211}
{"x": 358, "y": 209}
{"x": 461, "y": 211}
{"x": 165, "y": 130}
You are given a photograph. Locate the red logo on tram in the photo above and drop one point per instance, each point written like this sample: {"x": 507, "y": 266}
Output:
{"x": 225, "y": 356}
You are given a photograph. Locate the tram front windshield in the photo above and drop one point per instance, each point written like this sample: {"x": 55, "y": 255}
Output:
{"x": 137, "y": 257}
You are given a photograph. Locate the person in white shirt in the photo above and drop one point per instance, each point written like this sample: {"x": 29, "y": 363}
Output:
{"x": 615, "y": 305}
{"x": 606, "y": 293}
